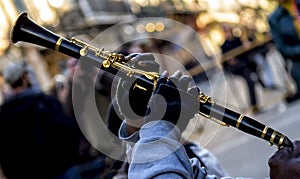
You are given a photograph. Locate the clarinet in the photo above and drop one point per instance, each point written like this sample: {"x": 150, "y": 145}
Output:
{"x": 26, "y": 30}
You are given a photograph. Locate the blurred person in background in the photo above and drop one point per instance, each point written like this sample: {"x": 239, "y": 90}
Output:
{"x": 34, "y": 84}
{"x": 258, "y": 54}
{"x": 285, "y": 29}
{"x": 239, "y": 65}
{"x": 76, "y": 85}
{"x": 37, "y": 139}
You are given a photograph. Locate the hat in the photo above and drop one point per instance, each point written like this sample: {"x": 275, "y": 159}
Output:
{"x": 14, "y": 71}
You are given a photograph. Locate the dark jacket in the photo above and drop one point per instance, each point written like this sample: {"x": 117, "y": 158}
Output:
{"x": 242, "y": 59}
{"x": 284, "y": 33}
{"x": 36, "y": 139}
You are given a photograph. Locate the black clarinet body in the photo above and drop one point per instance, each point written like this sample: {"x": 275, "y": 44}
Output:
{"x": 244, "y": 123}
{"x": 26, "y": 30}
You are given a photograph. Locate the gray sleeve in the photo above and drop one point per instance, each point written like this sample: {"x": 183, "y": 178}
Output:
{"x": 159, "y": 154}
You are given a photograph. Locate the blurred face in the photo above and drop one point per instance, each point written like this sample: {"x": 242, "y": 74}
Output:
{"x": 71, "y": 67}
{"x": 26, "y": 80}
{"x": 228, "y": 32}
{"x": 285, "y": 163}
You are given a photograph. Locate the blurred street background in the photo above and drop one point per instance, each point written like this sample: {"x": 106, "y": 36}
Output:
{"x": 239, "y": 153}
